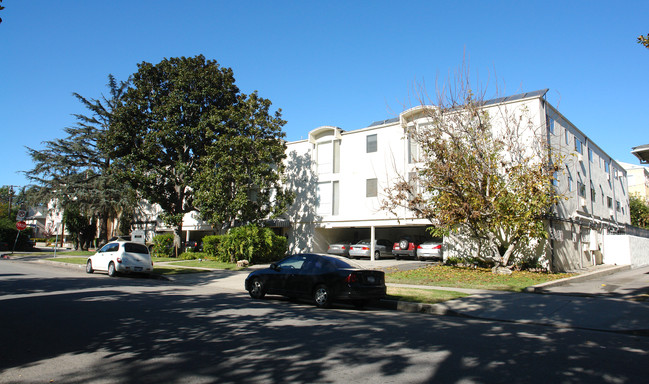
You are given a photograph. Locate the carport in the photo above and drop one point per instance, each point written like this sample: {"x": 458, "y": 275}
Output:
{"x": 353, "y": 234}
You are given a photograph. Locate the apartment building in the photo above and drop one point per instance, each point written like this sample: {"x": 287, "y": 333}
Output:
{"x": 339, "y": 177}
{"x": 638, "y": 178}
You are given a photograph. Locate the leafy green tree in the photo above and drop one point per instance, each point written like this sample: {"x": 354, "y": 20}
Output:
{"x": 82, "y": 227}
{"x": 490, "y": 182}
{"x": 639, "y": 210}
{"x": 184, "y": 129}
{"x": 76, "y": 172}
{"x": 240, "y": 181}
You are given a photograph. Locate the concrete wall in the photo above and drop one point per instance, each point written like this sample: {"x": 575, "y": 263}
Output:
{"x": 626, "y": 250}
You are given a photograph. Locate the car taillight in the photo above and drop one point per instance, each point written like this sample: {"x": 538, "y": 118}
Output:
{"x": 343, "y": 247}
{"x": 365, "y": 248}
{"x": 351, "y": 278}
{"x": 119, "y": 259}
{"x": 438, "y": 247}
{"x": 419, "y": 247}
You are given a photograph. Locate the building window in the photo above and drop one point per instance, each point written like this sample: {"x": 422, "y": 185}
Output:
{"x": 593, "y": 194}
{"x": 328, "y": 157}
{"x": 578, "y": 146}
{"x": 413, "y": 150}
{"x": 335, "y": 198}
{"x": 581, "y": 189}
{"x": 617, "y": 205}
{"x": 567, "y": 137}
{"x": 570, "y": 186}
{"x": 551, "y": 125}
{"x": 590, "y": 155}
{"x": 609, "y": 202}
{"x": 370, "y": 144}
{"x": 607, "y": 168}
{"x": 555, "y": 178}
{"x": 371, "y": 188}
{"x": 328, "y": 198}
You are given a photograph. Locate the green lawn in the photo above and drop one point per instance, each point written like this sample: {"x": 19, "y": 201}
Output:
{"x": 207, "y": 264}
{"x": 415, "y": 295}
{"x": 478, "y": 278}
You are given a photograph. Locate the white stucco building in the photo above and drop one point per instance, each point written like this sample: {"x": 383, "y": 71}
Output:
{"x": 339, "y": 177}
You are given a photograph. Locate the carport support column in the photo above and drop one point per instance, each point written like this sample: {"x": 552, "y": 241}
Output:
{"x": 372, "y": 240}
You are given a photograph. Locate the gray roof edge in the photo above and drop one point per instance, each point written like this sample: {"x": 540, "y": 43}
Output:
{"x": 520, "y": 96}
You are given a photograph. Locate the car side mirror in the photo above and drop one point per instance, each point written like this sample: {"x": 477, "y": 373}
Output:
{"x": 274, "y": 267}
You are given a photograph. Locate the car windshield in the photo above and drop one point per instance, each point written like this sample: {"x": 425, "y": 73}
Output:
{"x": 135, "y": 248}
{"x": 364, "y": 242}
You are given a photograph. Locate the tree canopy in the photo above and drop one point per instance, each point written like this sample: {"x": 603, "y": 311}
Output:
{"x": 644, "y": 40}
{"x": 185, "y": 130}
{"x": 639, "y": 210}
{"x": 492, "y": 182}
{"x": 76, "y": 171}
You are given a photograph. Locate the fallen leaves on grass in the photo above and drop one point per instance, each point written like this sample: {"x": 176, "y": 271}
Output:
{"x": 475, "y": 278}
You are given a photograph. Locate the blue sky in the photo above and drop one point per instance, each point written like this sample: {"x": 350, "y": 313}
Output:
{"x": 342, "y": 63}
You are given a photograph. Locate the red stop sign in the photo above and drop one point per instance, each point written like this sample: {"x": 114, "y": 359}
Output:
{"x": 21, "y": 225}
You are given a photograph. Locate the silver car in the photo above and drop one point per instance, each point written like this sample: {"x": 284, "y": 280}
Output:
{"x": 362, "y": 249}
{"x": 340, "y": 249}
{"x": 429, "y": 250}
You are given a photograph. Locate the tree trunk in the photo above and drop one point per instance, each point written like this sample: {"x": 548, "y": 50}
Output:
{"x": 178, "y": 230}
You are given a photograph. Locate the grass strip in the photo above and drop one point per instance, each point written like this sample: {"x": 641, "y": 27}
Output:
{"x": 416, "y": 295}
{"x": 466, "y": 277}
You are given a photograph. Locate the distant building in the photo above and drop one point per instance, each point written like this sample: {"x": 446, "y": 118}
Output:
{"x": 638, "y": 177}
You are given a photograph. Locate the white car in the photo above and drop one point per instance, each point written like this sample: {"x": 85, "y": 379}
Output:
{"x": 121, "y": 257}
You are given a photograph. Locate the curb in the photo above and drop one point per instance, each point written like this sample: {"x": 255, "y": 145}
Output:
{"x": 540, "y": 288}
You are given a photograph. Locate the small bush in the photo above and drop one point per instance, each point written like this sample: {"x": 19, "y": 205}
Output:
{"x": 163, "y": 245}
{"x": 252, "y": 243}
{"x": 211, "y": 245}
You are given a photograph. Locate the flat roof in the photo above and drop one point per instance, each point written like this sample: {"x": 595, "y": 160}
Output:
{"x": 642, "y": 153}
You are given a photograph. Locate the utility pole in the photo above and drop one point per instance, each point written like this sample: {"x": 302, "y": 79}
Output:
{"x": 11, "y": 195}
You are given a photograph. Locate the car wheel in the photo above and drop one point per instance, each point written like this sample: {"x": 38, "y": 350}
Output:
{"x": 377, "y": 255}
{"x": 322, "y": 296}
{"x": 403, "y": 244}
{"x": 89, "y": 267}
{"x": 257, "y": 290}
{"x": 111, "y": 270}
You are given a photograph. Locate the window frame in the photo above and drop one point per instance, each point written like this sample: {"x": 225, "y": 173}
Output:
{"x": 371, "y": 146}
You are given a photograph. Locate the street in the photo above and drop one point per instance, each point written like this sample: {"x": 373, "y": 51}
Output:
{"x": 64, "y": 326}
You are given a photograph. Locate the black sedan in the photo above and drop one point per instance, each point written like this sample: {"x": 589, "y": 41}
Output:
{"x": 322, "y": 278}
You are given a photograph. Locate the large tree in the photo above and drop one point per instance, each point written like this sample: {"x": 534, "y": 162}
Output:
{"x": 75, "y": 170}
{"x": 183, "y": 118}
{"x": 240, "y": 181}
{"x": 485, "y": 174}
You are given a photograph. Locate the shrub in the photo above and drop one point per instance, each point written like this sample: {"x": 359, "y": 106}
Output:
{"x": 211, "y": 245}
{"x": 251, "y": 243}
{"x": 163, "y": 245}
{"x": 189, "y": 255}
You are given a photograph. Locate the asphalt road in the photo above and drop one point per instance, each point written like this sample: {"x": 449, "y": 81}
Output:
{"x": 63, "y": 326}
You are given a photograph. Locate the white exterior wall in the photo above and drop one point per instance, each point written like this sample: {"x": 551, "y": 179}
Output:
{"x": 626, "y": 250}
